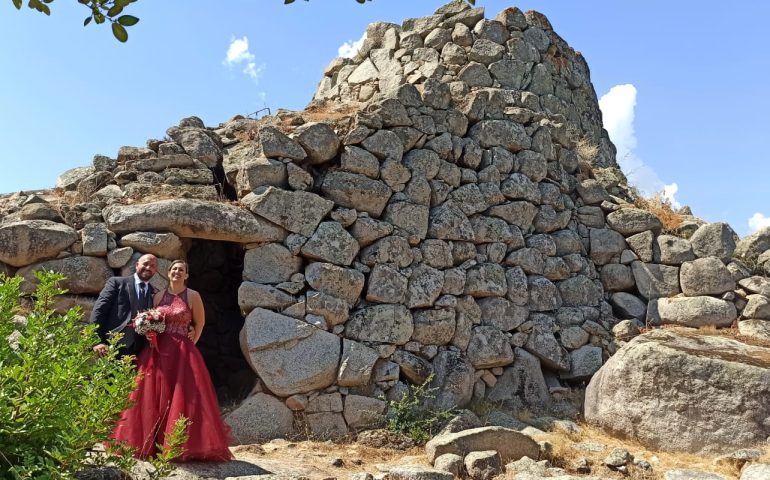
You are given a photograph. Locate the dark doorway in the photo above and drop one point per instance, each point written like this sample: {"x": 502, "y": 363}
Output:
{"x": 216, "y": 270}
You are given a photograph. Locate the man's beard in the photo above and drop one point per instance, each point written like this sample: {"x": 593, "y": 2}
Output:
{"x": 145, "y": 276}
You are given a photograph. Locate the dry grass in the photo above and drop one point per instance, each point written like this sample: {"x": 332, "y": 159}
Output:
{"x": 661, "y": 207}
{"x": 565, "y": 454}
{"x": 586, "y": 150}
{"x": 314, "y": 460}
{"x": 732, "y": 332}
{"x": 331, "y": 112}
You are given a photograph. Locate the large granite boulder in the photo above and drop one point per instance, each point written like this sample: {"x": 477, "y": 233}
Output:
{"x": 757, "y": 307}
{"x": 521, "y": 383}
{"x": 298, "y": 212}
{"x": 259, "y": 418}
{"x": 356, "y": 191}
{"x": 166, "y": 245}
{"x": 270, "y": 263}
{"x": 26, "y": 242}
{"x": 197, "y": 143}
{"x": 629, "y": 221}
{"x": 331, "y": 243}
{"x": 388, "y": 323}
{"x": 453, "y": 380}
{"x": 754, "y": 245}
{"x": 193, "y": 219}
{"x": 606, "y": 244}
{"x": 340, "y": 282}
{"x": 84, "y": 275}
{"x": 679, "y": 389}
{"x": 319, "y": 141}
{"x": 672, "y": 250}
{"x": 655, "y": 281}
{"x": 758, "y": 329}
{"x": 289, "y": 355}
{"x": 714, "y": 240}
{"x": 705, "y": 276}
{"x": 511, "y": 445}
{"x": 694, "y": 311}
{"x": 252, "y": 295}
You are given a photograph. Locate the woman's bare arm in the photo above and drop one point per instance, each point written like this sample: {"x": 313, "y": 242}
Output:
{"x": 198, "y": 314}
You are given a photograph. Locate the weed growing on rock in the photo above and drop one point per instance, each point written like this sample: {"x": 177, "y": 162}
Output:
{"x": 661, "y": 207}
{"x": 414, "y": 416}
{"x": 586, "y": 150}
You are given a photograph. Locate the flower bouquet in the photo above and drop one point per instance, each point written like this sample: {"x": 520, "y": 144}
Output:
{"x": 150, "y": 323}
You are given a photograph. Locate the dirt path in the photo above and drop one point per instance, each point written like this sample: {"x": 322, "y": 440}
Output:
{"x": 307, "y": 460}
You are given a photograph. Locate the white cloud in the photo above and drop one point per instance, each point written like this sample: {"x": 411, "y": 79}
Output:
{"x": 617, "y": 108}
{"x": 350, "y": 48}
{"x": 758, "y": 221}
{"x": 239, "y": 51}
{"x": 252, "y": 70}
{"x": 669, "y": 191}
{"x": 238, "y": 54}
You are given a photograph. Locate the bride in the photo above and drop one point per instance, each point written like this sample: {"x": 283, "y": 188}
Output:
{"x": 173, "y": 381}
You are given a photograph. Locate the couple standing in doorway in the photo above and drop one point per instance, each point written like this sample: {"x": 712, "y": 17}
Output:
{"x": 172, "y": 378}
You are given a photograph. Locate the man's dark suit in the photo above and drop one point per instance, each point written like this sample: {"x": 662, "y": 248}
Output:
{"x": 118, "y": 302}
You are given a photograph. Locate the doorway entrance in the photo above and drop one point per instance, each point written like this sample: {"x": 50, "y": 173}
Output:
{"x": 216, "y": 270}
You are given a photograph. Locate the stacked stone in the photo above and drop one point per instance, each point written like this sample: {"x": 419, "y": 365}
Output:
{"x": 441, "y": 222}
{"x": 658, "y": 278}
{"x": 752, "y": 295}
{"x": 457, "y": 46}
{"x": 700, "y": 277}
{"x": 434, "y": 233}
{"x": 179, "y": 167}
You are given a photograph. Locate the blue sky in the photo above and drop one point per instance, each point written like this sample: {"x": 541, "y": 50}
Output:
{"x": 689, "y": 110}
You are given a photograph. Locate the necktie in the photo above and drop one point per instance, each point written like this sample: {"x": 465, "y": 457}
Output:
{"x": 142, "y": 295}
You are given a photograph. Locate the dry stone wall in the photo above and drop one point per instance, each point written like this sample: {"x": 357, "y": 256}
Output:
{"x": 448, "y": 207}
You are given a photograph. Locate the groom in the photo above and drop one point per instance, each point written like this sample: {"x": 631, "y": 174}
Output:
{"x": 119, "y": 302}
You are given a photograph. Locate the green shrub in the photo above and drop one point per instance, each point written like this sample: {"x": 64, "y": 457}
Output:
{"x": 414, "y": 416}
{"x": 57, "y": 398}
{"x": 161, "y": 462}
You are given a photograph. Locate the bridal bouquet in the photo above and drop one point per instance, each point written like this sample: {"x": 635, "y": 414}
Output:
{"x": 150, "y": 323}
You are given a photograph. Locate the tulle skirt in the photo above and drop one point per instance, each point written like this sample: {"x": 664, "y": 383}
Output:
{"x": 173, "y": 381}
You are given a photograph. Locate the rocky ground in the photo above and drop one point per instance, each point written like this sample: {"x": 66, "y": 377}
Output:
{"x": 579, "y": 454}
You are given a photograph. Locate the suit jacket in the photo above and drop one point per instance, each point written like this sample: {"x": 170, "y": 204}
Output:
{"x": 116, "y": 304}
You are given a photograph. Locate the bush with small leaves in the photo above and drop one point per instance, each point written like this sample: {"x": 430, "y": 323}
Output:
{"x": 59, "y": 401}
{"x": 413, "y": 415}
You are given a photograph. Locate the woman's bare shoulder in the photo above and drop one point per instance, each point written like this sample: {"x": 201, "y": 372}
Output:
{"x": 193, "y": 293}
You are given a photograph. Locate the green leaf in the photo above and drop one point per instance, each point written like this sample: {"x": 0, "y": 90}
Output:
{"x": 17, "y": 4}
{"x": 87, "y": 21}
{"x": 286, "y": 2}
{"x": 39, "y": 6}
{"x": 128, "y": 20}
{"x": 114, "y": 11}
{"x": 120, "y": 32}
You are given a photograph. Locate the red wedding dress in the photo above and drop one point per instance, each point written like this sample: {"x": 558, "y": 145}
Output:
{"x": 174, "y": 381}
